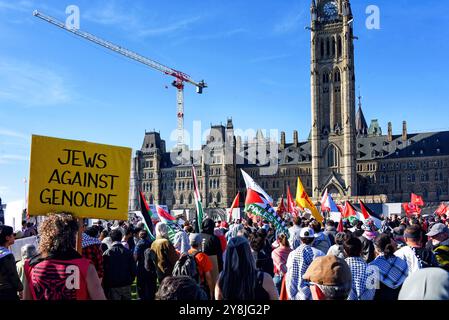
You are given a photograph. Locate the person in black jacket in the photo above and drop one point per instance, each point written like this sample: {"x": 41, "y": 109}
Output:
{"x": 212, "y": 247}
{"x": 119, "y": 269}
{"x": 9, "y": 279}
{"x": 146, "y": 277}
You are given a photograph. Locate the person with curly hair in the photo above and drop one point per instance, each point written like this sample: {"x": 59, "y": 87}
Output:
{"x": 59, "y": 272}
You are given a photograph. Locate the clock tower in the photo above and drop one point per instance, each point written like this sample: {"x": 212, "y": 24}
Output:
{"x": 333, "y": 99}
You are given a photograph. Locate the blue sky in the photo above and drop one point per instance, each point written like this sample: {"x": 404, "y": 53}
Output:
{"x": 253, "y": 54}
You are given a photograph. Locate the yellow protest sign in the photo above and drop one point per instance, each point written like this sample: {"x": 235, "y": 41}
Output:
{"x": 87, "y": 179}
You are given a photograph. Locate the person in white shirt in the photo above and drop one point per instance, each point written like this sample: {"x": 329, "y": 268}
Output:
{"x": 294, "y": 232}
{"x": 414, "y": 254}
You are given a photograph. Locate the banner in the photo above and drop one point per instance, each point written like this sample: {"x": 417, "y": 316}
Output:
{"x": 86, "y": 179}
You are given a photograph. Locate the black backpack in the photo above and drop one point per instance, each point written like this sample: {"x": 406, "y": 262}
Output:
{"x": 186, "y": 266}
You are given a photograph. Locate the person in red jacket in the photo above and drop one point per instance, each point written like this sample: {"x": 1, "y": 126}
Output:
{"x": 220, "y": 235}
{"x": 59, "y": 272}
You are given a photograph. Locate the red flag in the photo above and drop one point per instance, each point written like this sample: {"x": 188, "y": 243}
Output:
{"x": 235, "y": 204}
{"x": 417, "y": 200}
{"x": 442, "y": 209}
{"x": 281, "y": 208}
{"x": 340, "y": 225}
{"x": 411, "y": 209}
{"x": 341, "y": 208}
{"x": 349, "y": 211}
{"x": 291, "y": 206}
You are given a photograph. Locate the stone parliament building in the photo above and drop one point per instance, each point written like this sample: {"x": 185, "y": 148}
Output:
{"x": 342, "y": 154}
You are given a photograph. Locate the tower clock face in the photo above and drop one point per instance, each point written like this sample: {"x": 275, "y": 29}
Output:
{"x": 330, "y": 10}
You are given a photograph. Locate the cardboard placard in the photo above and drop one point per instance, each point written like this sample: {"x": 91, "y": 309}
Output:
{"x": 86, "y": 179}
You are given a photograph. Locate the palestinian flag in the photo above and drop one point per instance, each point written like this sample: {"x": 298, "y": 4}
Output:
{"x": 146, "y": 213}
{"x": 199, "y": 206}
{"x": 368, "y": 214}
{"x": 350, "y": 213}
{"x": 257, "y": 204}
{"x": 170, "y": 221}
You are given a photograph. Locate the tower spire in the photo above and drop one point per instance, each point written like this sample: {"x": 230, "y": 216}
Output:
{"x": 361, "y": 127}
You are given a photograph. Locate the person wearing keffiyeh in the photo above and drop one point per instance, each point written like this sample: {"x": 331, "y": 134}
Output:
{"x": 362, "y": 286}
{"x": 91, "y": 249}
{"x": 391, "y": 270}
{"x": 297, "y": 263}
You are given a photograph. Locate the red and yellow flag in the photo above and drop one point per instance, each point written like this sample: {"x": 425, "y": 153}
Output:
{"x": 303, "y": 200}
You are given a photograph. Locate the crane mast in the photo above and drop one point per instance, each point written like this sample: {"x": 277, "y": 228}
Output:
{"x": 178, "y": 83}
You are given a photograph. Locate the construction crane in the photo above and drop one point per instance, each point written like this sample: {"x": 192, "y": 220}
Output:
{"x": 178, "y": 83}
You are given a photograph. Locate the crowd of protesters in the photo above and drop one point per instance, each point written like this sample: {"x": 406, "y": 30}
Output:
{"x": 404, "y": 258}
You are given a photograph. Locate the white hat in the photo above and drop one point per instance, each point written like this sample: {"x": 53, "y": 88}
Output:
{"x": 306, "y": 233}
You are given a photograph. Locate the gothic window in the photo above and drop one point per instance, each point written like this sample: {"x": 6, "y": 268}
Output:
{"x": 218, "y": 183}
{"x": 337, "y": 77}
{"x": 164, "y": 201}
{"x": 328, "y": 47}
{"x": 181, "y": 199}
{"x": 339, "y": 47}
{"x": 211, "y": 197}
{"x": 332, "y": 157}
{"x": 219, "y": 197}
{"x": 190, "y": 198}
{"x": 333, "y": 46}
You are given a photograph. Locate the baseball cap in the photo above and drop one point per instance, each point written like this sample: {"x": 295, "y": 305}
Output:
{"x": 329, "y": 271}
{"x": 195, "y": 238}
{"x": 306, "y": 233}
{"x": 437, "y": 228}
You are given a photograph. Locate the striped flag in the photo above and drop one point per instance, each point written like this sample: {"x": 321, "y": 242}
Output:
{"x": 199, "y": 206}
{"x": 257, "y": 204}
{"x": 146, "y": 213}
{"x": 170, "y": 221}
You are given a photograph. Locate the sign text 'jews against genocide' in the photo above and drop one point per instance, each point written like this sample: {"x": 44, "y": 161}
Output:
{"x": 87, "y": 179}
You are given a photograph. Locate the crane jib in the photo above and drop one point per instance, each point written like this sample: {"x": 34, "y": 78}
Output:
{"x": 180, "y": 76}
